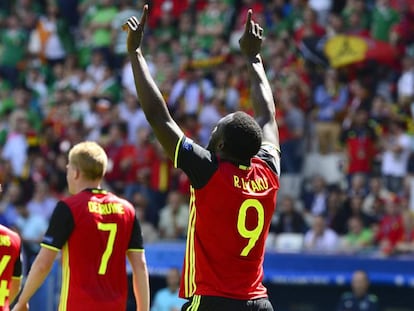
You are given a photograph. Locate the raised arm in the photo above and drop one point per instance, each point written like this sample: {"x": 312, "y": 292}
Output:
{"x": 261, "y": 93}
{"x": 152, "y": 102}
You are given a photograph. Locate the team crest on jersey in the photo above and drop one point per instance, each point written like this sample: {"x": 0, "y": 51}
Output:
{"x": 188, "y": 144}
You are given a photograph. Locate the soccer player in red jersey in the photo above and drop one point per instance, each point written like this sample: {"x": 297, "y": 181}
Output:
{"x": 95, "y": 230}
{"x": 10, "y": 267}
{"x": 234, "y": 183}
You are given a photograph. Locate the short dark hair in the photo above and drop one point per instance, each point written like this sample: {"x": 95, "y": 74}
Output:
{"x": 242, "y": 137}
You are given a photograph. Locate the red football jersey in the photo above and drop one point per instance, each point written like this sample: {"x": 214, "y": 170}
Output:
{"x": 102, "y": 229}
{"x": 230, "y": 215}
{"x": 10, "y": 263}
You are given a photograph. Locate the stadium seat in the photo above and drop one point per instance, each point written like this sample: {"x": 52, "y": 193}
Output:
{"x": 288, "y": 243}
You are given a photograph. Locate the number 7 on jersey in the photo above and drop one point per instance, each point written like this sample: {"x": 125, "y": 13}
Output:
{"x": 112, "y": 228}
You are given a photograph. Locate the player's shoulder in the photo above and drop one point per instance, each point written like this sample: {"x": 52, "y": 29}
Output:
{"x": 116, "y": 198}
{"x": 9, "y": 238}
{"x": 270, "y": 154}
{"x": 9, "y": 232}
{"x": 270, "y": 147}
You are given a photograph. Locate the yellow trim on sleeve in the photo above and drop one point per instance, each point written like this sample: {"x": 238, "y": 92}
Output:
{"x": 52, "y": 248}
{"x": 17, "y": 277}
{"x": 244, "y": 167}
{"x": 176, "y": 151}
{"x": 271, "y": 144}
{"x": 138, "y": 250}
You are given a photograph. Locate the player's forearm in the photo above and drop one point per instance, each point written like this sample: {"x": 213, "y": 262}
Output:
{"x": 150, "y": 97}
{"x": 14, "y": 288}
{"x": 38, "y": 272}
{"x": 262, "y": 99}
{"x": 37, "y": 275}
{"x": 261, "y": 92}
{"x": 141, "y": 290}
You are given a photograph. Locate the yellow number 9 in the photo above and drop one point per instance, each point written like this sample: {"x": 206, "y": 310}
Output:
{"x": 253, "y": 234}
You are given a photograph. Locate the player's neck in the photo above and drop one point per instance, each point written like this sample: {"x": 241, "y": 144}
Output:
{"x": 87, "y": 184}
{"x": 236, "y": 162}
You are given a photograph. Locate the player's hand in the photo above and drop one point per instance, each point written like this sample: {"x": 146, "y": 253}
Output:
{"x": 135, "y": 30}
{"x": 251, "y": 40}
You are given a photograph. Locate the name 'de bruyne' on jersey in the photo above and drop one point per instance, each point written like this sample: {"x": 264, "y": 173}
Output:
{"x": 105, "y": 208}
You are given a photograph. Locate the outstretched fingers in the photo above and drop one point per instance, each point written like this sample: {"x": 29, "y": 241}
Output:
{"x": 134, "y": 24}
{"x": 257, "y": 30}
{"x": 260, "y": 32}
{"x": 144, "y": 16}
{"x": 248, "y": 25}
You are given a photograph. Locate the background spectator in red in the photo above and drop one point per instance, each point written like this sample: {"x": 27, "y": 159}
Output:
{"x": 360, "y": 144}
{"x": 390, "y": 228}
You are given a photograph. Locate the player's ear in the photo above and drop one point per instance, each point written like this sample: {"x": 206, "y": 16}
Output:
{"x": 220, "y": 145}
{"x": 77, "y": 173}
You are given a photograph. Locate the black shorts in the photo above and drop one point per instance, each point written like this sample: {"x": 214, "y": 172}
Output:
{"x": 214, "y": 303}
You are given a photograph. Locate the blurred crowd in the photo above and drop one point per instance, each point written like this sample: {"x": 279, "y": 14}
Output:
{"x": 65, "y": 77}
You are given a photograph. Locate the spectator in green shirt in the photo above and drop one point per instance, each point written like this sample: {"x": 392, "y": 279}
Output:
{"x": 358, "y": 237}
{"x": 97, "y": 29}
{"x": 383, "y": 18}
{"x": 13, "y": 40}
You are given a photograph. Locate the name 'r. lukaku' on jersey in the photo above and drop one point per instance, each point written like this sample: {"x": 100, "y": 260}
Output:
{"x": 255, "y": 185}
